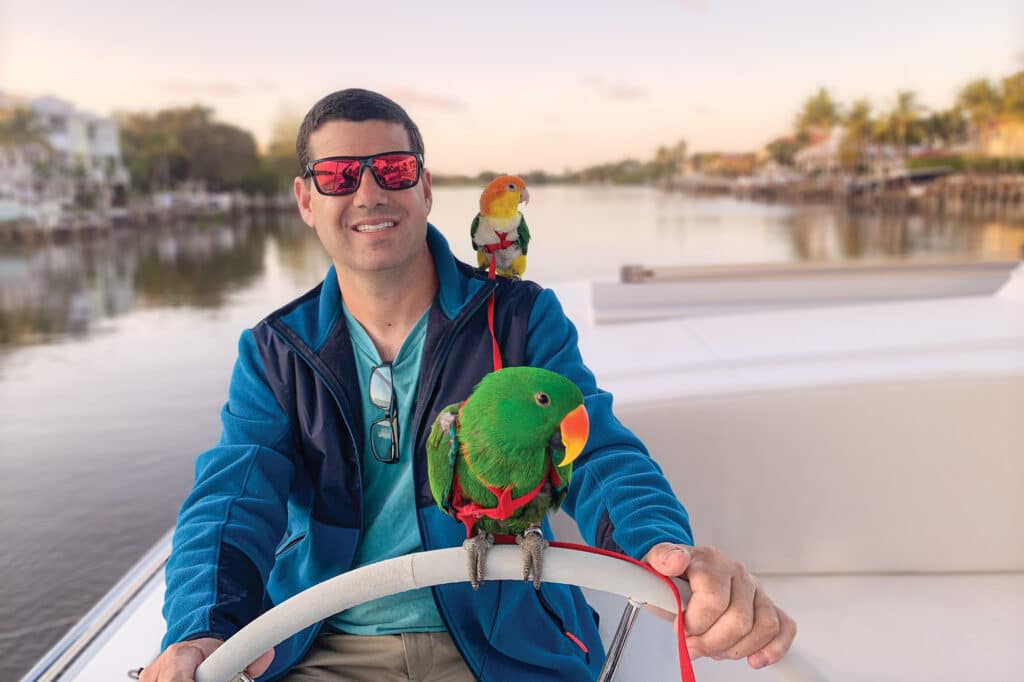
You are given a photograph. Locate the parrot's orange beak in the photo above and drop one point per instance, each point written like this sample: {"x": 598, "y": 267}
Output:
{"x": 575, "y": 428}
{"x": 524, "y": 196}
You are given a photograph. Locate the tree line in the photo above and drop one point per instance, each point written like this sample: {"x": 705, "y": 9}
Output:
{"x": 172, "y": 147}
{"x": 188, "y": 145}
{"x": 904, "y": 123}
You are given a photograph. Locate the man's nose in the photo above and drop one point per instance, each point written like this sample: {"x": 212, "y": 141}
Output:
{"x": 369, "y": 192}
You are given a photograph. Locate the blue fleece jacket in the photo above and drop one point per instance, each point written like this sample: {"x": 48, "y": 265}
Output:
{"x": 276, "y": 505}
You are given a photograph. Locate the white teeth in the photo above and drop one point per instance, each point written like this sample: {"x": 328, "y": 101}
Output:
{"x": 374, "y": 228}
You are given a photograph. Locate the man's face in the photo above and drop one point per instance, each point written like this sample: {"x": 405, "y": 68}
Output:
{"x": 340, "y": 221}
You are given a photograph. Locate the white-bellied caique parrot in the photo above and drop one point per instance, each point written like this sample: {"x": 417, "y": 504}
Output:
{"x": 499, "y": 229}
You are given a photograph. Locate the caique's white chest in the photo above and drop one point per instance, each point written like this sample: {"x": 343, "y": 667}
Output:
{"x": 487, "y": 229}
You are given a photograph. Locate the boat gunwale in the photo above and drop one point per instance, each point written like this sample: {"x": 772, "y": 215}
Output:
{"x": 62, "y": 655}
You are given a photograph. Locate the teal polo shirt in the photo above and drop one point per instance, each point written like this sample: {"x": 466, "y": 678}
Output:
{"x": 390, "y": 528}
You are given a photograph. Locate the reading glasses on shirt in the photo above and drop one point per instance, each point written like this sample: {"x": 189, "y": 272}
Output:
{"x": 384, "y": 431}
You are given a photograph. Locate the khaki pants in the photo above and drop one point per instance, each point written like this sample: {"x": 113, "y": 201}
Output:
{"x": 415, "y": 656}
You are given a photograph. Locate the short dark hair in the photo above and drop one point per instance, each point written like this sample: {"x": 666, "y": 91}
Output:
{"x": 354, "y": 104}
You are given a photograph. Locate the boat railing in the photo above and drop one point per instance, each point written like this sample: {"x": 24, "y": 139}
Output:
{"x": 672, "y": 292}
{"x": 646, "y": 274}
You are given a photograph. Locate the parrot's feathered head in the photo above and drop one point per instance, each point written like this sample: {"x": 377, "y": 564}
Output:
{"x": 519, "y": 406}
{"x": 502, "y": 196}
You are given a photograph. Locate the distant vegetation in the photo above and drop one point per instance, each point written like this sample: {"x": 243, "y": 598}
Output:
{"x": 980, "y": 105}
{"x": 960, "y": 163}
{"x": 177, "y": 147}
{"x": 905, "y": 123}
{"x": 174, "y": 147}
{"x": 626, "y": 172}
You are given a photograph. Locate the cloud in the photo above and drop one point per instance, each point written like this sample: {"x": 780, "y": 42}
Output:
{"x": 703, "y": 109}
{"x": 201, "y": 88}
{"x": 408, "y": 97}
{"x": 264, "y": 86}
{"x": 614, "y": 91}
{"x": 695, "y": 5}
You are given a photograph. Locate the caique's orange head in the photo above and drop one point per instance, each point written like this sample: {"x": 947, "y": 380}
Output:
{"x": 501, "y": 197}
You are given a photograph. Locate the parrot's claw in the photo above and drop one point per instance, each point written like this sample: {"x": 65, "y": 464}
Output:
{"x": 476, "y": 548}
{"x": 533, "y": 544}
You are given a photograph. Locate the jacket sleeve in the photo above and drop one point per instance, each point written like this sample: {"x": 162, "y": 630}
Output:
{"x": 618, "y": 497}
{"x": 230, "y": 523}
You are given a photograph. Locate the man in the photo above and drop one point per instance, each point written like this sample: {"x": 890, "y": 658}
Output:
{"x": 334, "y": 475}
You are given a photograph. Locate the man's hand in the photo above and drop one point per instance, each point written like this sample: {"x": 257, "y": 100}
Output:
{"x": 179, "y": 661}
{"x": 729, "y": 614}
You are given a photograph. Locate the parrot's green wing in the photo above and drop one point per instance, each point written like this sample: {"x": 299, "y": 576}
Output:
{"x": 442, "y": 448}
{"x": 472, "y": 231}
{"x": 524, "y": 233}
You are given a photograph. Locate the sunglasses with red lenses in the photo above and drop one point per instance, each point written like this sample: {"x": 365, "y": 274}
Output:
{"x": 340, "y": 175}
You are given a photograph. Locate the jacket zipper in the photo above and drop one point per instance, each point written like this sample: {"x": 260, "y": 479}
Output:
{"x": 435, "y": 373}
{"x": 546, "y": 605}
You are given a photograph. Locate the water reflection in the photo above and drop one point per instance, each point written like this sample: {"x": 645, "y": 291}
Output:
{"x": 724, "y": 230}
{"x": 829, "y": 234}
{"x": 66, "y": 289}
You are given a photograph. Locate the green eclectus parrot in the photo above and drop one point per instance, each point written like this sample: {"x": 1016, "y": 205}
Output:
{"x": 499, "y": 230}
{"x": 502, "y": 459}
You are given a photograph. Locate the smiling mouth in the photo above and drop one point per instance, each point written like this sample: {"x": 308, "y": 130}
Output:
{"x": 375, "y": 227}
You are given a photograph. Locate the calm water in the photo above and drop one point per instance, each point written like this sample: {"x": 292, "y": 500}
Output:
{"x": 115, "y": 355}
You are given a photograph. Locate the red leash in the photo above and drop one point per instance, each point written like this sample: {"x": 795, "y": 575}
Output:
{"x": 685, "y": 666}
{"x": 495, "y": 350}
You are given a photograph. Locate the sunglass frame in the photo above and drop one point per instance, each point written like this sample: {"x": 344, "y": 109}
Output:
{"x": 364, "y": 162}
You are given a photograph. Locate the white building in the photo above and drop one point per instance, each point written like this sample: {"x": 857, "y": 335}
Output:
{"x": 83, "y": 161}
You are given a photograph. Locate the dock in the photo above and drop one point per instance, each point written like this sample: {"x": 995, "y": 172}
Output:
{"x": 83, "y": 225}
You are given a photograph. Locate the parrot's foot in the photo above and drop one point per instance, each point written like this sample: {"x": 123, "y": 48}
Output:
{"x": 533, "y": 544}
{"x": 476, "y": 548}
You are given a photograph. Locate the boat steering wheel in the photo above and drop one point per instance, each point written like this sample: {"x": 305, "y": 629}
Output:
{"x": 438, "y": 567}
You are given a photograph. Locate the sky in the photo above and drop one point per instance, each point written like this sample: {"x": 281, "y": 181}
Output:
{"x": 513, "y": 86}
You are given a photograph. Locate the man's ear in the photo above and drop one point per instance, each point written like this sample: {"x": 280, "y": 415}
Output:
{"x": 303, "y": 196}
{"x": 428, "y": 192}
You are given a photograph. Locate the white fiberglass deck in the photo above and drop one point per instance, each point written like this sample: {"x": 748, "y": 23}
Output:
{"x": 864, "y": 459}
{"x": 771, "y": 350}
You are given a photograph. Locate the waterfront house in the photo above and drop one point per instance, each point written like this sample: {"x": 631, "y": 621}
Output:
{"x": 76, "y": 163}
{"x": 1003, "y": 138}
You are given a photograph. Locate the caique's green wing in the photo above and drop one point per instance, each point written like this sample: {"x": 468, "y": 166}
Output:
{"x": 442, "y": 449}
{"x": 524, "y": 234}
{"x": 472, "y": 231}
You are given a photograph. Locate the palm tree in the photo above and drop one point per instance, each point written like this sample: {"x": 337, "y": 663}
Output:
{"x": 946, "y": 127}
{"x": 981, "y": 100}
{"x": 900, "y": 126}
{"x": 1013, "y": 95}
{"x": 22, "y": 135}
{"x": 819, "y": 111}
{"x": 904, "y": 118}
{"x": 859, "y": 125}
{"x": 19, "y": 127}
